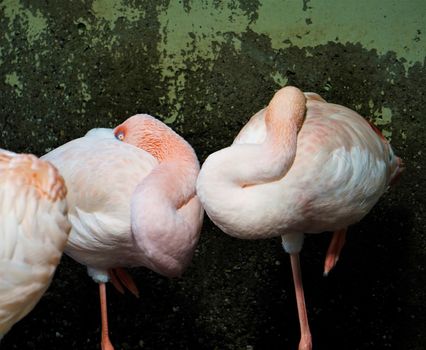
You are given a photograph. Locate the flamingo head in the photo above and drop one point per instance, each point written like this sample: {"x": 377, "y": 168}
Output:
{"x": 155, "y": 137}
{"x": 146, "y": 132}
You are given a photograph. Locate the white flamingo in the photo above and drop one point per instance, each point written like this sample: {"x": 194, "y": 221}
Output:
{"x": 132, "y": 202}
{"x": 301, "y": 165}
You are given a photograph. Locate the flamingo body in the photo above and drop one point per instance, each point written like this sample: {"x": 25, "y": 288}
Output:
{"x": 102, "y": 174}
{"x": 33, "y": 232}
{"x": 340, "y": 170}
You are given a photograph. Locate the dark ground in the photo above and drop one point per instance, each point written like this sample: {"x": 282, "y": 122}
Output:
{"x": 236, "y": 294}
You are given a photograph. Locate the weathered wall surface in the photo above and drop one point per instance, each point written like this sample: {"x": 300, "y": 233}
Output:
{"x": 204, "y": 67}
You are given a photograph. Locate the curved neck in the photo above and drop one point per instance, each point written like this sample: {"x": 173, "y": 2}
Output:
{"x": 284, "y": 118}
{"x": 175, "y": 176}
{"x": 271, "y": 160}
{"x": 166, "y": 214}
{"x": 230, "y": 181}
{"x": 173, "y": 181}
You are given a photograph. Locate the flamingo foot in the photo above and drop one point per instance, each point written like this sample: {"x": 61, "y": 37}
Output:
{"x": 105, "y": 342}
{"x": 120, "y": 277}
{"x": 305, "y": 333}
{"x": 305, "y": 342}
{"x": 334, "y": 249}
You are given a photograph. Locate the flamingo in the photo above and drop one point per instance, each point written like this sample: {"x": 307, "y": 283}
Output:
{"x": 33, "y": 232}
{"x": 132, "y": 202}
{"x": 301, "y": 165}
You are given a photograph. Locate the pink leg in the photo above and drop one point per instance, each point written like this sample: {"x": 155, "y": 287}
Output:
{"x": 127, "y": 281}
{"x": 105, "y": 343}
{"x": 334, "y": 249}
{"x": 120, "y": 277}
{"x": 305, "y": 334}
{"x": 115, "y": 281}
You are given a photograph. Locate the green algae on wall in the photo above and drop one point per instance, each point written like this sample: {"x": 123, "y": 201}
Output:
{"x": 201, "y": 27}
{"x": 13, "y": 80}
{"x": 376, "y": 25}
{"x": 198, "y": 29}
{"x": 389, "y": 25}
{"x": 33, "y": 22}
{"x": 112, "y": 10}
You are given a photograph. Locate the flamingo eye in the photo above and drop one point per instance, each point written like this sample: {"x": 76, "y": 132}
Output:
{"x": 119, "y": 135}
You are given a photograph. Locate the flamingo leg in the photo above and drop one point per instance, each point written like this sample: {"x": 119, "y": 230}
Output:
{"x": 105, "y": 343}
{"x": 126, "y": 280}
{"x": 115, "y": 281}
{"x": 120, "y": 277}
{"x": 334, "y": 249}
{"x": 305, "y": 333}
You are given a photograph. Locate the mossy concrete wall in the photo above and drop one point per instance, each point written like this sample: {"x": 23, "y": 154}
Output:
{"x": 204, "y": 67}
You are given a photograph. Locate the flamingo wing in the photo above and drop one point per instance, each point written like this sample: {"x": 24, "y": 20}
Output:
{"x": 33, "y": 232}
{"x": 101, "y": 174}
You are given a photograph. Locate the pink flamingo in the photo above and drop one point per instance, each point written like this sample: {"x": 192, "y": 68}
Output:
{"x": 301, "y": 165}
{"x": 33, "y": 232}
{"x": 131, "y": 194}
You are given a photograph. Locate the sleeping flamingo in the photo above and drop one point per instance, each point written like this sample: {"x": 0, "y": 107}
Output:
{"x": 301, "y": 165}
{"x": 132, "y": 202}
{"x": 33, "y": 232}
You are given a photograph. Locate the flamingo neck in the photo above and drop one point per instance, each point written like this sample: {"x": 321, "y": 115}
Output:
{"x": 284, "y": 118}
{"x": 173, "y": 181}
{"x": 169, "y": 148}
{"x": 177, "y": 172}
{"x": 271, "y": 160}
{"x": 230, "y": 182}
{"x": 164, "y": 228}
